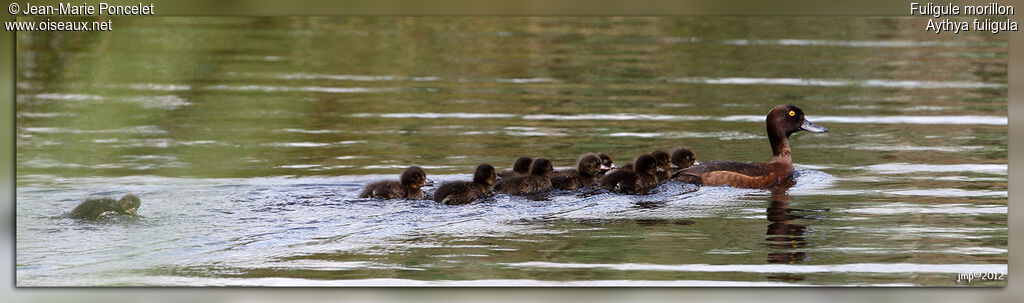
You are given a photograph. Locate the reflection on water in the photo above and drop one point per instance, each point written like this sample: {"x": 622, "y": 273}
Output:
{"x": 249, "y": 138}
{"x": 783, "y": 234}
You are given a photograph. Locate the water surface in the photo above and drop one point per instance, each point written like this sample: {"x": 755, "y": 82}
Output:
{"x": 248, "y": 140}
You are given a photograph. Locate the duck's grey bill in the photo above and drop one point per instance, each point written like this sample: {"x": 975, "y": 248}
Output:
{"x": 814, "y": 128}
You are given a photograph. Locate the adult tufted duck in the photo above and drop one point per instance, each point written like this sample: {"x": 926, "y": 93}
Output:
{"x": 782, "y": 121}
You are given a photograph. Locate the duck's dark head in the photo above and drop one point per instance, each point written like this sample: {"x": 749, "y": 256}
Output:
{"x": 485, "y": 175}
{"x": 788, "y": 119}
{"x": 783, "y": 121}
{"x": 661, "y": 159}
{"x": 683, "y": 157}
{"x": 606, "y": 161}
{"x": 645, "y": 164}
{"x": 128, "y": 204}
{"x": 413, "y": 177}
{"x": 541, "y": 167}
{"x": 589, "y": 164}
{"x": 522, "y": 165}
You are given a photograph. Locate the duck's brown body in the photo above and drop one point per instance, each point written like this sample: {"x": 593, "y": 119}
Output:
{"x": 782, "y": 121}
{"x": 409, "y": 186}
{"x": 92, "y": 209}
{"x": 524, "y": 185}
{"x": 637, "y": 183}
{"x": 537, "y": 180}
{"x": 462, "y": 192}
{"x": 738, "y": 174}
{"x": 390, "y": 189}
{"x": 571, "y": 179}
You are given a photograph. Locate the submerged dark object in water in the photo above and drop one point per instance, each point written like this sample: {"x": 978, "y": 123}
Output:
{"x": 92, "y": 209}
{"x": 537, "y": 180}
{"x": 585, "y": 174}
{"x": 462, "y": 192}
{"x": 408, "y": 186}
{"x": 638, "y": 180}
{"x": 782, "y": 121}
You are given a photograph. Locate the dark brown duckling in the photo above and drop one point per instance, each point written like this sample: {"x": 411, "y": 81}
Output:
{"x": 627, "y": 166}
{"x": 682, "y": 158}
{"x": 637, "y": 181}
{"x": 781, "y": 122}
{"x": 92, "y": 209}
{"x": 661, "y": 160}
{"x": 520, "y": 168}
{"x": 409, "y": 186}
{"x": 462, "y": 192}
{"x": 612, "y": 178}
{"x": 585, "y": 174}
{"x": 537, "y": 180}
{"x": 606, "y": 163}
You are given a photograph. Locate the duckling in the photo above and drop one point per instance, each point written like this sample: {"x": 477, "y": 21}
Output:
{"x": 612, "y": 178}
{"x": 409, "y": 186}
{"x": 639, "y": 180}
{"x": 585, "y": 174}
{"x": 682, "y": 158}
{"x": 606, "y": 160}
{"x": 92, "y": 209}
{"x": 462, "y": 192}
{"x": 661, "y": 159}
{"x": 627, "y": 166}
{"x": 520, "y": 168}
{"x": 537, "y": 180}
{"x": 606, "y": 163}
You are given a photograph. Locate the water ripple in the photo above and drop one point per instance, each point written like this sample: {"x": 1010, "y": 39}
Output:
{"x": 434, "y": 115}
{"x": 909, "y": 84}
{"x": 904, "y": 168}
{"x": 318, "y": 89}
{"x": 954, "y": 120}
{"x": 782, "y": 268}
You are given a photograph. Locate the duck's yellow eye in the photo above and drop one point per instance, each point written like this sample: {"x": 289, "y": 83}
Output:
{"x": 792, "y": 113}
